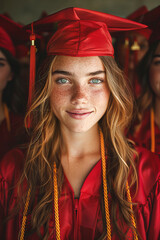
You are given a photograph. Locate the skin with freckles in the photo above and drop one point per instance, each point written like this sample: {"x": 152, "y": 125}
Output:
{"x": 80, "y": 94}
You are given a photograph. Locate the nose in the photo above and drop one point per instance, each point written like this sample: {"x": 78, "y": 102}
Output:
{"x": 79, "y": 95}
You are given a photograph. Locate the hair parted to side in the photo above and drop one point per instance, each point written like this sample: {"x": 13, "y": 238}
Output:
{"x": 45, "y": 148}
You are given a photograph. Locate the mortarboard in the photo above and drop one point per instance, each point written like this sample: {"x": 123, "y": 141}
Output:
{"x": 6, "y": 42}
{"x": 152, "y": 19}
{"x": 83, "y": 32}
{"x": 14, "y": 30}
{"x": 138, "y": 16}
{"x": 16, "y": 34}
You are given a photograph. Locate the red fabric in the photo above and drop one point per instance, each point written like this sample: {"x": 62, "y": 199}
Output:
{"x": 83, "y": 32}
{"x": 14, "y": 30}
{"x": 22, "y": 51}
{"x": 152, "y": 20}
{"x": 81, "y": 219}
{"x": 138, "y": 13}
{"x": 6, "y": 42}
{"x": 138, "y": 16}
{"x": 8, "y": 140}
{"x": 143, "y": 136}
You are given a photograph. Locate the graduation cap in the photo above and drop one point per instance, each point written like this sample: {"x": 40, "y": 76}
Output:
{"x": 82, "y": 32}
{"x": 6, "y": 42}
{"x": 22, "y": 51}
{"x": 152, "y": 19}
{"x": 138, "y": 16}
{"x": 14, "y": 30}
{"x": 12, "y": 35}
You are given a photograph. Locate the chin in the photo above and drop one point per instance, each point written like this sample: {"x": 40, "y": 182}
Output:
{"x": 80, "y": 129}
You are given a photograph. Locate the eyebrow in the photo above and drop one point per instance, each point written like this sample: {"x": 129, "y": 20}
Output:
{"x": 71, "y": 74}
{"x": 156, "y": 55}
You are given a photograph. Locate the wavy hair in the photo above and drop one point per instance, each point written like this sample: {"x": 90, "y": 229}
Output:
{"x": 45, "y": 148}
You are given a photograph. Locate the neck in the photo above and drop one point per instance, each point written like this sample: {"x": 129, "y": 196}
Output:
{"x": 78, "y": 145}
{"x": 1, "y": 108}
{"x": 157, "y": 111}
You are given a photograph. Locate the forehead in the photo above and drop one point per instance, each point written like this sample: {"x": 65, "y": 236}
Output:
{"x": 68, "y": 63}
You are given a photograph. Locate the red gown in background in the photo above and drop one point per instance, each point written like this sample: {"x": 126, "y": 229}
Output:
{"x": 81, "y": 219}
{"x": 9, "y": 139}
{"x": 143, "y": 136}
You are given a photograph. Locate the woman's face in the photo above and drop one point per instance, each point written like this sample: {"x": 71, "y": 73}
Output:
{"x": 5, "y": 72}
{"x": 142, "y": 43}
{"x": 154, "y": 72}
{"x": 80, "y": 93}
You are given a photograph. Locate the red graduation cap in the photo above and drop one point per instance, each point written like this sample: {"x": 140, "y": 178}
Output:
{"x": 22, "y": 51}
{"x": 14, "y": 30}
{"x": 6, "y": 42}
{"x": 138, "y": 16}
{"x": 16, "y": 35}
{"x": 152, "y": 19}
{"x": 82, "y": 32}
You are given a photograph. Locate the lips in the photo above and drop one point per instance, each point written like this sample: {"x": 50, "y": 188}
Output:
{"x": 79, "y": 114}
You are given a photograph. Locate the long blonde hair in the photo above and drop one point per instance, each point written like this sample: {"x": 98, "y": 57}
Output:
{"x": 45, "y": 145}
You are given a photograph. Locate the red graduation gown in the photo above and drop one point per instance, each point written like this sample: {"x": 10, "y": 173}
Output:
{"x": 9, "y": 139}
{"x": 81, "y": 219}
{"x": 143, "y": 136}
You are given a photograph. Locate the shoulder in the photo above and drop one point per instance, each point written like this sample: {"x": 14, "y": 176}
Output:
{"x": 148, "y": 168}
{"x": 11, "y": 165}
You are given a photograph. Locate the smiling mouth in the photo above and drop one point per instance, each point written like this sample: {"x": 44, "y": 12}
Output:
{"x": 79, "y": 114}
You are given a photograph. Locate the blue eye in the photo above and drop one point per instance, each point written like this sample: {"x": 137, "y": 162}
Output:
{"x": 96, "y": 81}
{"x": 62, "y": 81}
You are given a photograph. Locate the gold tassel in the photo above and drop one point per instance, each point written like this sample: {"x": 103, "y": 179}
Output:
{"x": 135, "y": 46}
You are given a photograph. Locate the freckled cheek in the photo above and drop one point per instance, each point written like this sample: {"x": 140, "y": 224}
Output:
{"x": 101, "y": 96}
{"x": 58, "y": 98}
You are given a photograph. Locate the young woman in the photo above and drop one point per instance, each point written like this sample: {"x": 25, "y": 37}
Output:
{"x": 79, "y": 178}
{"x": 146, "y": 130}
{"x": 10, "y": 118}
